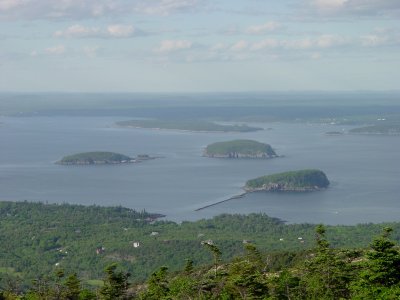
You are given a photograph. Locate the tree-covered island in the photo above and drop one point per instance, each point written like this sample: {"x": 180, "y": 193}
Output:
{"x": 239, "y": 149}
{"x": 378, "y": 129}
{"x": 184, "y": 125}
{"x": 293, "y": 181}
{"x": 101, "y": 158}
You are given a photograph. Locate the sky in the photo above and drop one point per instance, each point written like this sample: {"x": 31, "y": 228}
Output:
{"x": 199, "y": 45}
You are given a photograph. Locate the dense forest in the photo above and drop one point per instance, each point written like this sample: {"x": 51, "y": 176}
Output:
{"x": 240, "y": 148}
{"x": 321, "y": 273}
{"x": 97, "y": 157}
{"x": 290, "y": 181}
{"x": 38, "y": 239}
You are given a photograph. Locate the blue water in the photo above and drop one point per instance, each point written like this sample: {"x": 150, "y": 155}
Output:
{"x": 363, "y": 170}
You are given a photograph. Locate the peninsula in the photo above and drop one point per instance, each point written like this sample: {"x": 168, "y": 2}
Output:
{"x": 239, "y": 149}
{"x": 101, "y": 158}
{"x": 196, "y": 126}
{"x": 293, "y": 181}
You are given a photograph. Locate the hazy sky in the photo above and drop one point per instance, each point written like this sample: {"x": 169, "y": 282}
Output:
{"x": 199, "y": 45}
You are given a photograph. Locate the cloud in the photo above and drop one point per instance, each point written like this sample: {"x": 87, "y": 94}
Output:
{"x": 320, "y": 42}
{"x": 174, "y": 45}
{"x": 78, "y": 31}
{"x": 264, "y": 28}
{"x": 239, "y": 46}
{"x": 264, "y": 44}
{"x": 120, "y": 31}
{"x": 346, "y": 8}
{"x": 56, "y": 50}
{"x": 167, "y": 7}
{"x": 112, "y": 31}
{"x": 82, "y": 9}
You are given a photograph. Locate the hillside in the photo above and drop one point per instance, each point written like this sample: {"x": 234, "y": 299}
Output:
{"x": 37, "y": 238}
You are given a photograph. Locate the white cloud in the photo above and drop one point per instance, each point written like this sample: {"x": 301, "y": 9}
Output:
{"x": 329, "y": 4}
{"x": 264, "y": 44}
{"x": 174, "y": 45}
{"x": 346, "y": 8}
{"x": 239, "y": 46}
{"x": 56, "y": 50}
{"x": 264, "y": 28}
{"x": 78, "y": 31}
{"x": 166, "y": 7}
{"x": 120, "y": 31}
{"x": 9, "y": 4}
{"x": 112, "y": 31}
{"x": 82, "y": 9}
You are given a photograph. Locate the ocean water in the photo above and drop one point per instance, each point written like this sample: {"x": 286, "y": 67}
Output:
{"x": 363, "y": 170}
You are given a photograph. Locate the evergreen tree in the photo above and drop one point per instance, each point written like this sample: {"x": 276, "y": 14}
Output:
{"x": 73, "y": 287}
{"x": 115, "y": 284}
{"x": 380, "y": 278}
{"x": 158, "y": 285}
{"x": 326, "y": 275}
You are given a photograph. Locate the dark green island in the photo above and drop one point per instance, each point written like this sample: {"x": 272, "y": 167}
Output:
{"x": 239, "y": 149}
{"x": 101, "y": 158}
{"x": 293, "y": 181}
{"x": 199, "y": 126}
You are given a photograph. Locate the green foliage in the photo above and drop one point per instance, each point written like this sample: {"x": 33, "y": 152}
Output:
{"x": 380, "y": 275}
{"x": 94, "y": 157}
{"x": 37, "y": 239}
{"x": 186, "y": 125}
{"x": 244, "y": 148}
{"x": 326, "y": 273}
{"x": 294, "y": 180}
{"x": 115, "y": 284}
{"x": 158, "y": 285}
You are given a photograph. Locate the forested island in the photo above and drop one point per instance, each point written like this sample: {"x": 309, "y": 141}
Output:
{"x": 101, "y": 158}
{"x": 51, "y": 251}
{"x": 200, "y": 126}
{"x": 94, "y": 158}
{"x": 384, "y": 129}
{"x": 239, "y": 149}
{"x": 293, "y": 181}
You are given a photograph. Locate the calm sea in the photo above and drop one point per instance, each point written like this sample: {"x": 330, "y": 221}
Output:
{"x": 363, "y": 170}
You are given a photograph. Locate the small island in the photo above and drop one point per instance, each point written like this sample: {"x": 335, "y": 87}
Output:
{"x": 334, "y": 133}
{"x": 101, "y": 158}
{"x": 239, "y": 149}
{"x": 195, "y": 126}
{"x": 293, "y": 181}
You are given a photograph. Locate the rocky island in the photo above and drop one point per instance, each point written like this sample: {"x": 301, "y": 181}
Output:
{"x": 101, "y": 158}
{"x": 239, "y": 149}
{"x": 293, "y": 181}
